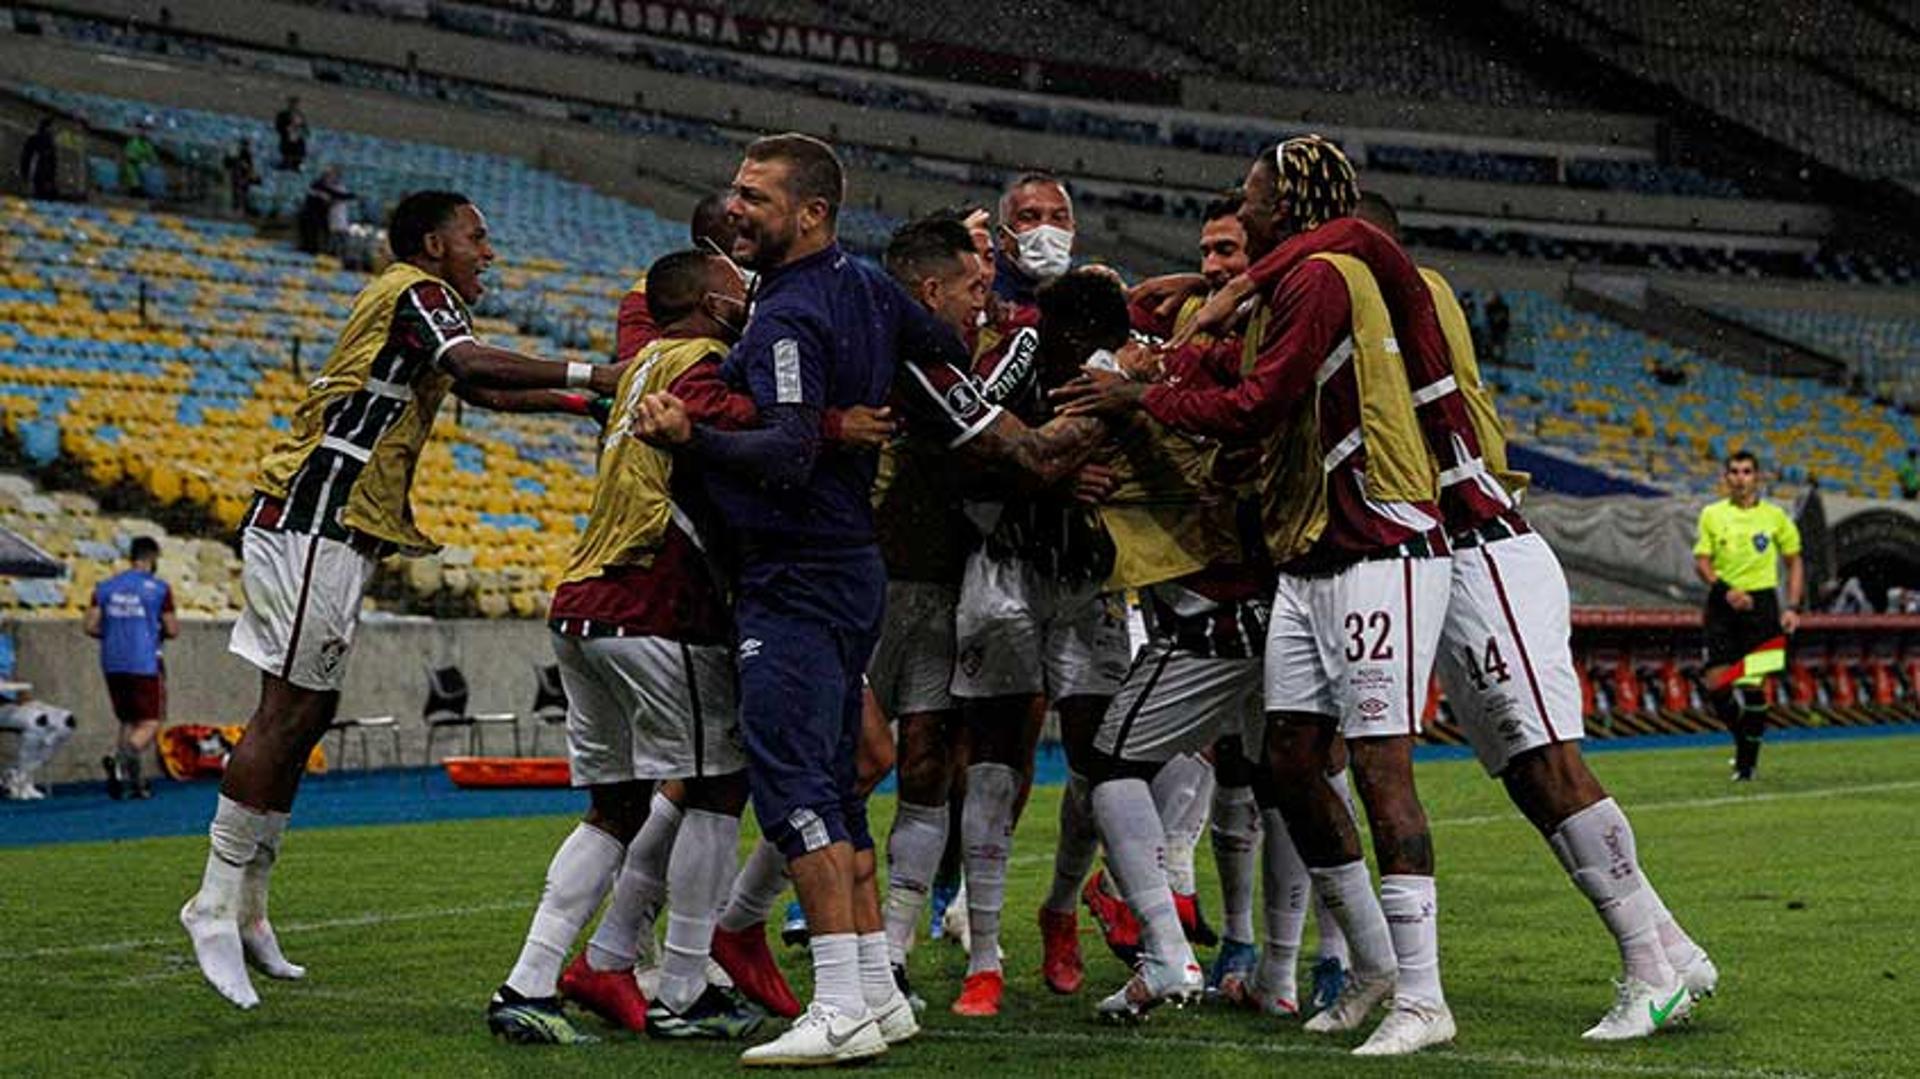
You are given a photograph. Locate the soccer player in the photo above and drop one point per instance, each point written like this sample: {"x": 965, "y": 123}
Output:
{"x": 707, "y": 230}
{"x": 1506, "y": 668}
{"x": 332, "y": 499}
{"x": 640, "y": 630}
{"x": 1743, "y": 539}
{"x": 826, "y": 331}
{"x": 923, "y": 537}
{"x": 1032, "y": 625}
{"x": 132, "y": 615}
{"x": 1353, "y": 521}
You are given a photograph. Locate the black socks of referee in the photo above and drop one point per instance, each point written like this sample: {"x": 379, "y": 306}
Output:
{"x": 1746, "y": 718}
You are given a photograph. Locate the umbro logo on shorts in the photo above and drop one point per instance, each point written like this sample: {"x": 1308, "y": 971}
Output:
{"x": 749, "y": 648}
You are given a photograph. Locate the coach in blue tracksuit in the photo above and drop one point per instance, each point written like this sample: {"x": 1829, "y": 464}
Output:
{"x": 826, "y": 332}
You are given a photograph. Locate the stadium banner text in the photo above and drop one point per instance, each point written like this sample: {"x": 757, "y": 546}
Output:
{"x": 817, "y": 44}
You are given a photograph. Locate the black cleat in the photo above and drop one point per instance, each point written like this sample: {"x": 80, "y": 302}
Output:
{"x": 116, "y": 789}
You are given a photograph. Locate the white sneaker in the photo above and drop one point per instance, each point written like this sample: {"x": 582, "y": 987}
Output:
{"x": 1356, "y": 1001}
{"x": 1640, "y": 1009}
{"x": 216, "y": 946}
{"x": 822, "y": 1036}
{"x": 1152, "y": 985}
{"x": 263, "y": 953}
{"x": 896, "y": 1020}
{"x": 1699, "y": 975}
{"x": 1409, "y": 1027}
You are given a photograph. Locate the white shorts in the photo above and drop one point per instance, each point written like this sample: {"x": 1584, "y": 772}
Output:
{"x": 303, "y": 605}
{"x": 1174, "y": 701}
{"x": 1505, "y": 663}
{"x": 911, "y": 671}
{"x": 1357, "y": 645}
{"x": 1021, "y": 632}
{"x": 648, "y": 708}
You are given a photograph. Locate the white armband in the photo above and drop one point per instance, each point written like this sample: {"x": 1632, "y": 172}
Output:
{"x": 579, "y": 375}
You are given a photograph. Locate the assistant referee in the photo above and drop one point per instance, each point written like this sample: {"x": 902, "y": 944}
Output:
{"x": 1742, "y": 540}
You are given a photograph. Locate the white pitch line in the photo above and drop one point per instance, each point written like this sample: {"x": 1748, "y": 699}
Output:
{"x": 1534, "y": 1064}
{"x": 377, "y": 918}
{"x": 354, "y": 922}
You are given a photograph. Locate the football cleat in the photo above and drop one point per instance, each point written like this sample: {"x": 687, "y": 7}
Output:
{"x": 1192, "y": 922}
{"x": 906, "y": 988}
{"x": 1408, "y": 1028}
{"x": 793, "y": 929}
{"x": 1060, "y": 963}
{"x": 1329, "y": 977}
{"x": 613, "y": 995}
{"x": 116, "y": 787}
{"x": 1640, "y": 1009}
{"x": 1356, "y": 1001}
{"x": 747, "y": 960}
{"x": 1151, "y": 986}
{"x": 942, "y": 898}
{"x": 896, "y": 1020}
{"x": 1118, "y": 926}
{"x": 821, "y": 1037}
{"x": 980, "y": 994}
{"x": 532, "y": 1020}
{"x": 1699, "y": 974}
{"x": 1232, "y": 970}
{"x": 719, "y": 1015}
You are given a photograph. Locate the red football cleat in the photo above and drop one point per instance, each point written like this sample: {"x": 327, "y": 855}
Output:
{"x": 747, "y": 960}
{"x": 612, "y": 995}
{"x": 1060, "y": 964}
{"x": 1192, "y": 922}
{"x": 980, "y": 994}
{"x": 1118, "y": 926}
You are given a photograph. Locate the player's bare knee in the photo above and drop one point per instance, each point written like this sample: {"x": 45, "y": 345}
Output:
{"x": 1296, "y": 749}
{"x": 1550, "y": 783}
{"x": 618, "y": 809}
{"x": 726, "y": 795}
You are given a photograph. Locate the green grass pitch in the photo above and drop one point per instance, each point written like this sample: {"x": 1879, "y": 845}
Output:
{"x": 1802, "y": 886}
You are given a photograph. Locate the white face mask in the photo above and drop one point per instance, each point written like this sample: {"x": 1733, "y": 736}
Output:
{"x": 1046, "y": 251}
{"x": 1102, "y": 360}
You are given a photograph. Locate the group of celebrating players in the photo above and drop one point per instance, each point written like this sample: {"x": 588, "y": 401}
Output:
{"x": 847, "y": 518}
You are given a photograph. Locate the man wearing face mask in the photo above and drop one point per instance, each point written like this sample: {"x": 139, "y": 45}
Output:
{"x": 640, "y": 630}
{"x": 827, "y": 331}
{"x": 707, "y": 230}
{"x": 333, "y": 496}
{"x": 1033, "y": 625}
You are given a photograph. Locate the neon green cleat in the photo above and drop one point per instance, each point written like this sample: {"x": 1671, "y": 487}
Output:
{"x": 532, "y": 1020}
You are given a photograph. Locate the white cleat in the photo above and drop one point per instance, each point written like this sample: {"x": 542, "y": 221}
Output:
{"x": 821, "y": 1037}
{"x": 263, "y": 952}
{"x": 1409, "y": 1027}
{"x": 1640, "y": 1010}
{"x": 1356, "y": 1001}
{"x": 1151, "y": 986}
{"x": 1699, "y": 975}
{"x": 222, "y": 958}
{"x": 896, "y": 1020}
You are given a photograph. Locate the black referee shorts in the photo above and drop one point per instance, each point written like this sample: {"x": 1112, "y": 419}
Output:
{"x": 1731, "y": 634}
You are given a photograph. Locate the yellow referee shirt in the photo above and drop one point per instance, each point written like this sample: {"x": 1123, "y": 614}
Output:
{"x": 1746, "y": 544}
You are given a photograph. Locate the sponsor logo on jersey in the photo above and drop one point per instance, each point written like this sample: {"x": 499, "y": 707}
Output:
{"x": 749, "y": 648}
{"x": 787, "y": 388}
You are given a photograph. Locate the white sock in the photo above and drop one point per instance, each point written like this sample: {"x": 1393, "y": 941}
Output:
{"x": 1135, "y": 838}
{"x": 578, "y": 878}
{"x": 760, "y": 882}
{"x": 256, "y": 932}
{"x": 696, "y": 884}
{"x": 1078, "y": 846}
{"x": 1347, "y": 892}
{"x": 1332, "y": 938}
{"x": 876, "y": 970}
{"x": 836, "y": 973}
{"x": 914, "y": 847}
{"x": 233, "y": 839}
{"x": 1236, "y": 830}
{"x": 637, "y": 892}
{"x": 1412, "y": 912}
{"x": 1680, "y": 948}
{"x": 1597, "y": 846}
{"x": 1183, "y": 792}
{"x": 986, "y": 832}
{"x": 1286, "y": 888}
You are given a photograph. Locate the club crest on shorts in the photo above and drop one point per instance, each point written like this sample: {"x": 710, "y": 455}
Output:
{"x": 332, "y": 654}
